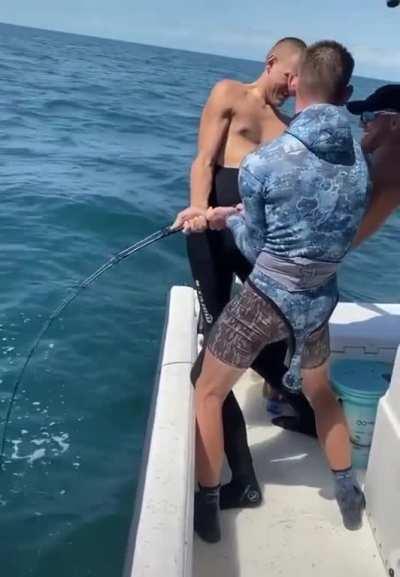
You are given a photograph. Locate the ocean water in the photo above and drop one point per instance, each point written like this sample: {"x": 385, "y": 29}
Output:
{"x": 95, "y": 143}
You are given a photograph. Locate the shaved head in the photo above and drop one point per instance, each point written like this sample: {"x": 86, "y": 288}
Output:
{"x": 286, "y": 47}
{"x": 281, "y": 68}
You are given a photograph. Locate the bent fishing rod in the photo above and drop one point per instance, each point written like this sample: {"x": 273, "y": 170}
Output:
{"x": 115, "y": 259}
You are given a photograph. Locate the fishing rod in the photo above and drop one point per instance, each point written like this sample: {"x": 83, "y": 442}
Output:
{"x": 115, "y": 259}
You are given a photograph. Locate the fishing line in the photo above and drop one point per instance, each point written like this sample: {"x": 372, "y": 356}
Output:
{"x": 115, "y": 259}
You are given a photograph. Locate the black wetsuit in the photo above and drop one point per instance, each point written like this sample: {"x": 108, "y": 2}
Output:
{"x": 214, "y": 260}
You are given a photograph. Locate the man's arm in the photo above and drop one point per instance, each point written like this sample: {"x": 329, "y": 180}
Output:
{"x": 214, "y": 125}
{"x": 382, "y": 205}
{"x": 385, "y": 197}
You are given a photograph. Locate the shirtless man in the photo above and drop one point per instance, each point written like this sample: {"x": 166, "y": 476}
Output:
{"x": 236, "y": 119}
{"x": 380, "y": 118}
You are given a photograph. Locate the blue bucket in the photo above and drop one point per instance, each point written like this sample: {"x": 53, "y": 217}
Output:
{"x": 360, "y": 385}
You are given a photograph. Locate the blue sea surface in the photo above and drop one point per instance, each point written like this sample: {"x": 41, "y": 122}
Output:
{"x": 96, "y": 141}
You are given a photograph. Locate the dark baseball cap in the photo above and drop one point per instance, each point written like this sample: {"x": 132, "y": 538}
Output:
{"x": 385, "y": 98}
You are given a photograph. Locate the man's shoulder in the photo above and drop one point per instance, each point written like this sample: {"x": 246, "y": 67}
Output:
{"x": 228, "y": 85}
{"x": 227, "y": 91}
{"x": 385, "y": 165}
{"x": 386, "y": 157}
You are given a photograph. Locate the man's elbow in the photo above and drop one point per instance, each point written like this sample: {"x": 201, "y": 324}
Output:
{"x": 204, "y": 162}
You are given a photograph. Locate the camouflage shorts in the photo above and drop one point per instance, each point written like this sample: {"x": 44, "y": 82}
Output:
{"x": 249, "y": 323}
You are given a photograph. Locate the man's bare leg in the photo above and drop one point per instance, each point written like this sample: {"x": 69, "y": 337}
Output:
{"x": 334, "y": 437}
{"x": 215, "y": 381}
{"x": 331, "y": 423}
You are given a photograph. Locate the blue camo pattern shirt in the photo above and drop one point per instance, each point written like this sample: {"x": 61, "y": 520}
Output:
{"x": 304, "y": 195}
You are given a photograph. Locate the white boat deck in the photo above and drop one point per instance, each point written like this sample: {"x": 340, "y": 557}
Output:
{"x": 298, "y": 531}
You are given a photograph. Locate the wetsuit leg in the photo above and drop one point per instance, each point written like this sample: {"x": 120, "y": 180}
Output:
{"x": 303, "y": 421}
{"x": 212, "y": 280}
{"x": 213, "y": 275}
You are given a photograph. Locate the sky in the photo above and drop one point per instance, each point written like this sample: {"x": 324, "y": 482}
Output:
{"x": 239, "y": 28}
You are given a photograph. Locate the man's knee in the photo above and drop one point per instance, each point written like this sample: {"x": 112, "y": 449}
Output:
{"x": 208, "y": 389}
{"x": 216, "y": 378}
{"x": 316, "y": 385}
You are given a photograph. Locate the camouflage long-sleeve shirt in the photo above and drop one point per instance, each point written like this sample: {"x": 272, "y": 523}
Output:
{"x": 304, "y": 196}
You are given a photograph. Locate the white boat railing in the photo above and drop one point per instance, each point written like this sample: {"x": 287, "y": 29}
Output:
{"x": 161, "y": 538}
{"x": 383, "y": 476}
{"x": 360, "y": 330}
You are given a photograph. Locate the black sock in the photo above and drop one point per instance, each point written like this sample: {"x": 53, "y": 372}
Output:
{"x": 206, "y": 514}
{"x": 242, "y": 492}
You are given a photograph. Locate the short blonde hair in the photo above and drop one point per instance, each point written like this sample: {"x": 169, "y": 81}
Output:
{"x": 325, "y": 71}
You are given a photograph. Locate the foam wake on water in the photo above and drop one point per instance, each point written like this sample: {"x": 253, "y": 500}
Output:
{"x": 48, "y": 445}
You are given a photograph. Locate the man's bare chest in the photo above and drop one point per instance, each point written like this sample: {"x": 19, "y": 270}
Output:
{"x": 256, "y": 127}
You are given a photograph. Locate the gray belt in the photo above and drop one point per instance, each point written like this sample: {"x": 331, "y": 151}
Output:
{"x": 296, "y": 274}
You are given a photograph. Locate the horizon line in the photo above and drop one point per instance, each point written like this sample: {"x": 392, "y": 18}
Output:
{"x": 113, "y": 39}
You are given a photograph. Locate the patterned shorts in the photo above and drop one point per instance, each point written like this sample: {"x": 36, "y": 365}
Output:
{"x": 250, "y": 322}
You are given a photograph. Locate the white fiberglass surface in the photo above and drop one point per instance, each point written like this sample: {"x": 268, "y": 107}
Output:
{"x": 298, "y": 530}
